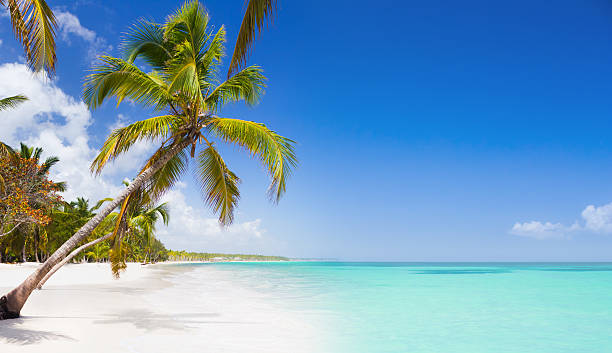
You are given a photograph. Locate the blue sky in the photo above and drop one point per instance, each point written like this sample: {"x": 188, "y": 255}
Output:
{"x": 427, "y": 131}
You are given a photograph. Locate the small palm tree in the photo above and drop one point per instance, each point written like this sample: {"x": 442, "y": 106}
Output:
{"x": 143, "y": 223}
{"x": 99, "y": 252}
{"x": 34, "y": 153}
{"x": 136, "y": 223}
{"x": 184, "y": 56}
{"x": 34, "y": 26}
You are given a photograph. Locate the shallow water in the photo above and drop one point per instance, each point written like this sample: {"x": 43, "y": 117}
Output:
{"x": 441, "y": 307}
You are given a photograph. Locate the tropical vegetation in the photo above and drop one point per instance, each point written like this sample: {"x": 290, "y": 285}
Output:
{"x": 174, "y": 255}
{"x": 27, "y": 196}
{"x": 171, "y": 68}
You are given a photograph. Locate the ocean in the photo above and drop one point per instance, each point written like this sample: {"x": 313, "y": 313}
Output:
{"x": 366, "y": 307}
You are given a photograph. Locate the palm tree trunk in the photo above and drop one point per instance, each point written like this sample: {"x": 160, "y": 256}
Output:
{"x": 67, "y": 259}
{"x": 13, "y": 301}
{"x": 23, "y": 252}
{"x": 36, "y": 245}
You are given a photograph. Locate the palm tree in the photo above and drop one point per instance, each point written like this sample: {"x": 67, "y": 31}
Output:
{"x": 99, "y": 252}
{"x": 24, "y": 158}
{"x": 255, "y": 16}
{"x": 141, "y": 225}
{"x": 136, "y": 222}
{"x": 33, "y": 231}
{"x": 184, "y": 55}
{"x": 34, "y": 153}
{"x": 140, "y": 222}
{"x": 34, "y": 26}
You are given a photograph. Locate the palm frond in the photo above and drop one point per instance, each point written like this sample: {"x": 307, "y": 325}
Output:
{"x": 100, "y": 203}
{"x": 12, "y": 102}
{"x": 117, "y": 257}
{"x": 25, "y": 151}
{"x": 219, "y": 184}
{"x": 117, "y": 249}
{"x": 122, "y": 139}
{"x": 275, "y": 152}
{"x": 182, "y": 72}
{"x": 247, "y": 85}
{"x": 164, "y": 211}
{"x": 36, "y": 154}
{"x": 146, "y": 39}
{"x": 255, "y": 16}
{"x": 60, "y": 186}
{"x": 49, "y": 162}
{"x": 188, "y": 24}
{"x": 209, "y": 62}
{"x": 122, "y": 79}
{"x": 34, "y": 26}
{"x": 6, "y": 150}
{"x": 167, "y": 176}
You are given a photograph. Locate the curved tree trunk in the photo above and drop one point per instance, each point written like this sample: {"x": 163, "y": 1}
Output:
{"x": 67, "y": 259}
{"x": 13, "y": 301}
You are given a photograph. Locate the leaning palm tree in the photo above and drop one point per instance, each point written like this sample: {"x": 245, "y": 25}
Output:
{"x": 255, "y": 16}
{"x": 34, "y": 26}
{"x": 184, "y": 56}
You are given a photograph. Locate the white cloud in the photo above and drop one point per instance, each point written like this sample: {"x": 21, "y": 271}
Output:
{"x": 70, "y": 25}
{"x": 596, "y": 220}
{"x": 1, "y": 42}
{"x": 539, "y": 230}
{"x": 58, "y": 123}
{"x": 193, "y": 228}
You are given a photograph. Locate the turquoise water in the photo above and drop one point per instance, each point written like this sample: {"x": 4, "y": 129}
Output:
{"x": 436, "y": 308}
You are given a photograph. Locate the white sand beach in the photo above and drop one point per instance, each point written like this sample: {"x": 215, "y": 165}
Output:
{"x": 156, "y": 308}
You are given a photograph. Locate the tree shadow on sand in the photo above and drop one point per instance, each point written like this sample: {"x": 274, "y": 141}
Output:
{"x": 11, "y": 333}
{"x": 150, "y": 321}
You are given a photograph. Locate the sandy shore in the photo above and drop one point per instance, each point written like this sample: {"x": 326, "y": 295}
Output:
{"x": 158, "y": 308}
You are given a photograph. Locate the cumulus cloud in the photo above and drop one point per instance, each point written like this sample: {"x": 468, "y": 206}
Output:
{"x": 539, "y": 230}
{"x": 598, "y": 219}
{"x": 193, "y": 228}
{"x": 595, "y": 220}
{"x": 55, "y": 121}
{"x": 70, "y": 25}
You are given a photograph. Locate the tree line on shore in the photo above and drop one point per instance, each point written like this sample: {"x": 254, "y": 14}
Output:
{"x": 35, "y": 221}
{"x": 174, "y": 255}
